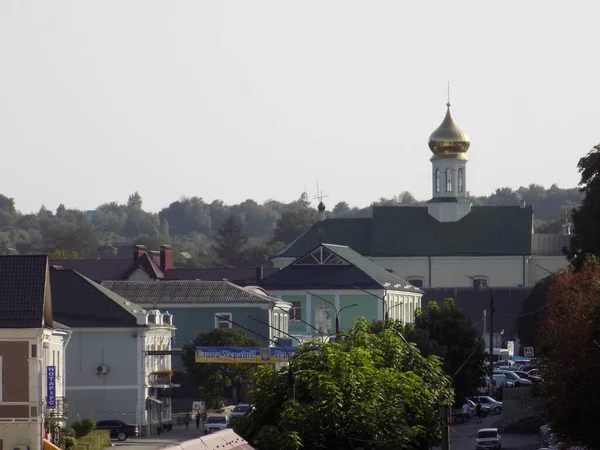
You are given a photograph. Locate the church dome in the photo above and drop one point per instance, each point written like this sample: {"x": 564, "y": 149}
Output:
{"x": 448, "y": 138}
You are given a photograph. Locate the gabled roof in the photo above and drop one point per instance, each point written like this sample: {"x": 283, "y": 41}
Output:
{"x": 25, "y": 300}
{"x": 96, "y": 269}
{"x": 148, "y": 265}
{"x": 411, "y": 231}
{"x": 78, "y": 302}
{"x": 188, "y": 291}
{"x": 330, "y": 266}
{"x": 242, "y": 276}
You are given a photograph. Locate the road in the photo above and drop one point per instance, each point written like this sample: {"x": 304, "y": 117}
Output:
{"x": 462, "y": 437}
{"x": 178, "y": 434}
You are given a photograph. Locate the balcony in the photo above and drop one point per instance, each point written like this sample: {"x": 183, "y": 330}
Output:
{"x": 159, "y": 379}
{"x": 60, "y": 410}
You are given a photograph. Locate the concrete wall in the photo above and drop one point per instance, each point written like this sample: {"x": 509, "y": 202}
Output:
{"x": 518, "y": 404}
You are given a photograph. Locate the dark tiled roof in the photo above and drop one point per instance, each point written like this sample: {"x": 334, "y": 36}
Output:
{"x": 96, "y": 269}
{"x": 242, "y": 276}
{"x": 189, "y": 291}
{"x": 22, "y": 291}
{"x": 360, "y": 272}
{"x": 78, "y": 302}
{"x": 508, "y": 303}
{"x": 148, "y": 265}
{"x": 411, "y": 231}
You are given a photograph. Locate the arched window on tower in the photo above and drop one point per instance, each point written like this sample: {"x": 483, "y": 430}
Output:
{"x": 448, "y": 180}
{"x": 461, "y": 180}
{"x": 437, "y": 180}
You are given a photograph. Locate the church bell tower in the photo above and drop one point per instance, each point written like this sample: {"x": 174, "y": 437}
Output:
{"x": 449, "y": 145}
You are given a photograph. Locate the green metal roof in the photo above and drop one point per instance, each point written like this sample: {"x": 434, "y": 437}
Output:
{"x": 411, "y": 231}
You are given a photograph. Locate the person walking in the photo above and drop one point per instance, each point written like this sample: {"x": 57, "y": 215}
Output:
{"x": 187, "y": 419}
{"x": 198, "y": 419}
{"x": 478, "y": 411}
{"x": 465, "y": 411}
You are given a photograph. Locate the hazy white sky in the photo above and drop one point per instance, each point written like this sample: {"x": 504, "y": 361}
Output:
{"x": 256, "y": 99}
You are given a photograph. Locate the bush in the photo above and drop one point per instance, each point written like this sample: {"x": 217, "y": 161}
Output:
{"x": 96, "y": 440}
{"x": 83, "y": 427}
{"x": 68, "y": 442}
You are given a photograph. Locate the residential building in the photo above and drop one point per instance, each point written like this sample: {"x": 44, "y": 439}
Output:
{"x": 449, "y": 242}
{"x": 202, "y": 306}
{"x": 118, "y": 361}
{"x": 331, "y": 285}
{"x": 32, "y": 355}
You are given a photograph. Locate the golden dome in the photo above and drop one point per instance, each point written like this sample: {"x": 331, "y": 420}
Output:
{"x": 448, "y": 138}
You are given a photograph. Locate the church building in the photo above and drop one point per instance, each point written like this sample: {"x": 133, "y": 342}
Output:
{"x": 449, "y": 242}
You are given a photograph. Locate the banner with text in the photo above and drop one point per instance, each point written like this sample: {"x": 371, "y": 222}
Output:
{"x": 241, "y": 355}
{"x": 51, "y": 386}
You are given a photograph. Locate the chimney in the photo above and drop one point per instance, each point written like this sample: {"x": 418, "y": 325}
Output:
{"x": 155, "y": 255}
{"x": 260, "y": 274}
{"x": 138, "y": 251}
{"x": 166, "y": 258}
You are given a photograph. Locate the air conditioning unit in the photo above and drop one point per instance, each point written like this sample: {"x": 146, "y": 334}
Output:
{"x": 21, "y": 447}
{"x": 101, "y": 369}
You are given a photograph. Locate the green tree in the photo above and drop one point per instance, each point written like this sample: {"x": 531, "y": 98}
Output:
{"x": 230, "y": 242}
{"x": 63, "y": 254}
{"x": 293, "y": 223}
{"x": 533, "y": 313}
{"x": 456, "y": 341}
{"x": 212, "y": 379}
{"x": 366, "y": 390}
{"x": 72, "y": 238}
{"x": 586, "y": 218}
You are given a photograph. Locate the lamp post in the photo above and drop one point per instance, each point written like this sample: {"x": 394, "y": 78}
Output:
{"x": 337, "y": 313}
{"x": 385, "y": 307}
{"x": 291, "y": 381}
{"x": 303, "y": 321}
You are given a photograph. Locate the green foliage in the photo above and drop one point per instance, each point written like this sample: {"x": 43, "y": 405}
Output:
{"x": 230, "y": 241}
{"x": 212, "y": 379}
{"x": 586, "y": 226}
{"x": 532, "y": 315}
{"x": 366, "y": 390}
{"x": 83, "y": 427}
{"x": 293, "y": 223}
{"x": 63, "y": 254}
{"x": 96, "y": 440}
{"x": 68, "y": 442}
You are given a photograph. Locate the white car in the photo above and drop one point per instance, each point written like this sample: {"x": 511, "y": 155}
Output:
{"x": 240, "y": 410}
{"x": 215, "y": 422}
{"x": 488, "y": 438}
{"x": 485, "y": 400}
{"x": 513, "y": 378}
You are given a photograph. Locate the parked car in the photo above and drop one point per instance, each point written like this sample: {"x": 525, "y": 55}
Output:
{"x": 240, "y": 410}
{"x": 485, "y": 400}
{"x": 515, "y": 379}
{"x": 215, "y": 422}
{"x": 488, "y": 438}
{"x": 118, "y": 429}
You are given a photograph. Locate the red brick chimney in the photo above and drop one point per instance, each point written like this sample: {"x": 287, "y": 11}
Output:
{"x": 138, "y": 251}
{"x": 166, "y": 258}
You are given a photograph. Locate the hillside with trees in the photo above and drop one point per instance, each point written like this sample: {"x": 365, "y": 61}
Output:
{"x": 216, "y": 234}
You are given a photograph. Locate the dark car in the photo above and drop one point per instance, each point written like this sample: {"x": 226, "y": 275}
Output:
{"x": 118, "y": 429}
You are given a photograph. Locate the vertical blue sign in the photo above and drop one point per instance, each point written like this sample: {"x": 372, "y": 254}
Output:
{"x": 51, "y": 386}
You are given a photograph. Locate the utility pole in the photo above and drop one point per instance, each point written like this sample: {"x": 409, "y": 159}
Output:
{"x": 484, "y": 323}
{"x": 445, "y": 416}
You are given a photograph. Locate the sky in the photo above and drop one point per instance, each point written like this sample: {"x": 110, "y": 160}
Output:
{"x": 260, "y": 99}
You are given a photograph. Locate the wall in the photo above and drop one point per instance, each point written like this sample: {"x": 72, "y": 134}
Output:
{"x": 110, "y": 395}
{"x": 549, "y": 263}
{"x": 517, "y": 404}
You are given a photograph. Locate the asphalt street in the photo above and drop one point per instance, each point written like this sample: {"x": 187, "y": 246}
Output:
{"x": 168, "y": 438}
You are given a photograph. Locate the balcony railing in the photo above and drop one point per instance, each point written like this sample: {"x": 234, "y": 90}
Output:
{"x": 60, "y": 410}
{"x": 159, "y": 379}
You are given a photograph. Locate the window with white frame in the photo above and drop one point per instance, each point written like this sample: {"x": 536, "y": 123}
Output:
{"x": 296, "y": 312}
{"x": 276, "y": 325}
{"x": 323, "y": 317}
{"x": 221, "y": 320}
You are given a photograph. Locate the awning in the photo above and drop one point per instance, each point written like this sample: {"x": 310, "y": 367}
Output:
{"x": 49, "y": 445}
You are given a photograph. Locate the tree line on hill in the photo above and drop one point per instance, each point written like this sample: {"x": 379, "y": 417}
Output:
{"x": 213, "y": 234}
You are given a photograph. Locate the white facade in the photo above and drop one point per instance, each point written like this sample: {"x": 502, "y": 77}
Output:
{"x": 40, "y": 348}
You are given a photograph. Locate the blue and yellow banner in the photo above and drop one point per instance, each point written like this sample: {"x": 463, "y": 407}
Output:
{"x": 242, "y": 355}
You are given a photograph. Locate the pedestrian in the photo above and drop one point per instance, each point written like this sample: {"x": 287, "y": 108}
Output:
{"x": 187, "y": 419}
{"x": 465, "y": 411}
{"x": 204, "y": 416}
{"x": 198, "y": 419}
{"x": 478, "y": 411}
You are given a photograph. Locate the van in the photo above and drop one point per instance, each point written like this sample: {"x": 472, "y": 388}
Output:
{"x": 499, "y": 354}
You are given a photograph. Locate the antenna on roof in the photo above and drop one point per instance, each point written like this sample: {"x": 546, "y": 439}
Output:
{"x": 321, "y": 206}
{"x": 448, "y": 104}
{"x": 319, "y": 195}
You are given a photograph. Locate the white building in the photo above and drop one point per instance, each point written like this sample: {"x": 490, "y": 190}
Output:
{"x": 449, "y": 242}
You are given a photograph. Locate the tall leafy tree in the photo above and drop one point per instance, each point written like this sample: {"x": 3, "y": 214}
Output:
{"x": 586, "y": 218}
{"x": 570, "y": 340}
{"x": 367, "y": 390}
{"x": 212, "y": 379}
{"x": 533, "y": 313}
{"x": 293, "y": 223}
{"x": 230, "y": 242}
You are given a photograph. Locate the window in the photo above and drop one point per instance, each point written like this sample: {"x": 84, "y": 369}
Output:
{"x": 479, "y": 282}
{"x": 323, "y": 317}
{"x": 220, "y": 321}
{"x": 437, "y": 180}
{"x": 416, "y": 282}
{"x": 448, "y": 180}
{"x": 296, "y": 312}
{"x": 461, "y": 180}
{"x": 33, "y": 350}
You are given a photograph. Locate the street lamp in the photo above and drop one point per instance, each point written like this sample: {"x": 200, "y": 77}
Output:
{"x": 337, "y": 313}
{"x": 385, "y": 307}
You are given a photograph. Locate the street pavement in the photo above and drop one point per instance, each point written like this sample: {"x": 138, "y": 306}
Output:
{"x": 462, "y": 436}
{"x": 166, "y": 439}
